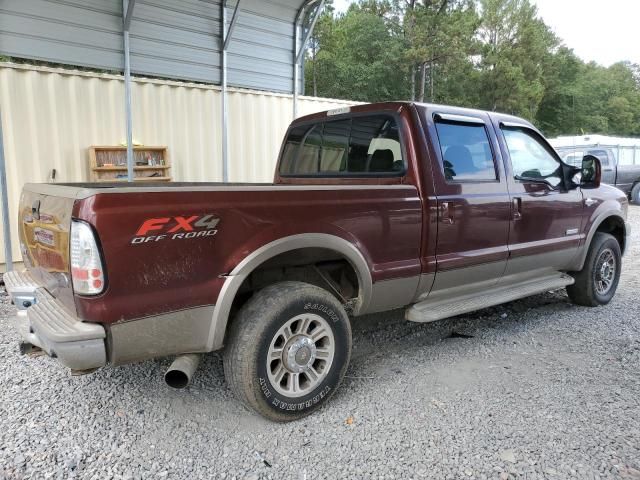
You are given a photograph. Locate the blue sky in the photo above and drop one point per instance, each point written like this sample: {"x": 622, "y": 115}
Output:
{"x": 605, "y": 32}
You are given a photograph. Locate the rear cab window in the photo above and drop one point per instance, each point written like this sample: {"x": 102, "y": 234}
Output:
{"x": 363, "y": 145}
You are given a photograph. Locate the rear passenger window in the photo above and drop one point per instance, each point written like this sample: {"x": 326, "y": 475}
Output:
{"x": 466, "y": 151}
{"x": 359, "y": 146}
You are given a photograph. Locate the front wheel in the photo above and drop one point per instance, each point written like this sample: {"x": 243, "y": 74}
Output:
{"x": 288, "y": 350}
{"x": 597, "y": 282}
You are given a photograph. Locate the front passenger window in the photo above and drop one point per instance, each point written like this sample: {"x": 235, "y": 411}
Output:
{"x": 530, "y": 159}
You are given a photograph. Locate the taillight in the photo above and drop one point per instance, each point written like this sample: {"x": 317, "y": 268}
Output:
{"x": 86, "y": 266}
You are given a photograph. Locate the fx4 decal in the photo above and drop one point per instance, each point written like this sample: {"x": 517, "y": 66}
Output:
{"x": 176, "y": 228}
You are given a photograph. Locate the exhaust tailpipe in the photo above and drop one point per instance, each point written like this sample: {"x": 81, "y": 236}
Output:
{"x": 181, "y": 370}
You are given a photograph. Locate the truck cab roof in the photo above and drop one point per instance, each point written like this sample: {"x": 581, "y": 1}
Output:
{"x": 398, "y": 105}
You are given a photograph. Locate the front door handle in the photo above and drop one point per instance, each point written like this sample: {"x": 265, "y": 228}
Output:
{"x": 517, "y": 208}
{"x": 445, "y": 214}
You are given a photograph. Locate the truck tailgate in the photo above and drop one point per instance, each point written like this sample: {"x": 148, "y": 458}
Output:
{"x": 44, "y": 226}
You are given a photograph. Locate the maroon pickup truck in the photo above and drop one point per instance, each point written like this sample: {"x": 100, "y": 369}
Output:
{"x": 439, "y": 210}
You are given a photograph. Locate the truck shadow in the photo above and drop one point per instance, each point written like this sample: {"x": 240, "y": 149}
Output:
{"x": 375, "y": 337}
{"x": 383, "y": 345}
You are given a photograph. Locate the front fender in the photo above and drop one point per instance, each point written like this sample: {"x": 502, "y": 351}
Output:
{"x": 605, "y": 210}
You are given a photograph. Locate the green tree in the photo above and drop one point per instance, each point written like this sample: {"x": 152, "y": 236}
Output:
{"x": 516, "y": 46}
{"x": 490, "y": 54}
{"x": 322, "y": 38}
{"x": 438, "y": 33}
{"x": 556, "y": 112}
{"x": 359, "y": 57}
{"x": 607, "y": 100}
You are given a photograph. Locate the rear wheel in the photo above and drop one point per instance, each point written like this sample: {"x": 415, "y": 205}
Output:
{"x": 288, "y": 350}
{"x": 597, "y": 282}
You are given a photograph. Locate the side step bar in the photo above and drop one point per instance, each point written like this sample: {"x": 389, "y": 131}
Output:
{"x": 430, "y": 311}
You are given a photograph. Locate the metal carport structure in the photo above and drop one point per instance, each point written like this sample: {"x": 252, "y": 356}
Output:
{"x": 63, "y": 41}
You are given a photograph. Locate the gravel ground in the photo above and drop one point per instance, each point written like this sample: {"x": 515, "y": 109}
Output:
{"x": 540, "y": 389}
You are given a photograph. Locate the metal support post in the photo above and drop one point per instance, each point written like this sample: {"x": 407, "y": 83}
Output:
{"x": 6, "y": 230}
{"x": 298, "y": 50}
{"x": 127, "y": 10}
{"x": 226, "y": 40}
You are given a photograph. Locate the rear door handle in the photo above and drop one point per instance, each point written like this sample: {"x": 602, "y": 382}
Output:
{"x": 517, "y": 208}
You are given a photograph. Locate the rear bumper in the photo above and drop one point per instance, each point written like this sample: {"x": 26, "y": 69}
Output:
{"x": 43, "y": 321}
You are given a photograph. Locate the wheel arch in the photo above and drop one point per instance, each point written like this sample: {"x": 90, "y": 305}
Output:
{"x": 607, "y": 222}
{"x": 254, "y": 260}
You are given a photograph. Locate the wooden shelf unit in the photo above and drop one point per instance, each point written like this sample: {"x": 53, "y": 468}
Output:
{"x": 109, "y": 164}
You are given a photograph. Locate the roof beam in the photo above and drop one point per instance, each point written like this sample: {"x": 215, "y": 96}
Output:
{"x": 316, "y": 15}
{"x": 298, "y": 51}
{"x": 126, "y": 21}
{"x": 228, "y": 32}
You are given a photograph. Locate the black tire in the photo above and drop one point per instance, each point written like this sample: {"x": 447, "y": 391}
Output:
{"x": 588, "y": 289}
{"x": 257, "y": 332}
{"x": 635, "y": 194}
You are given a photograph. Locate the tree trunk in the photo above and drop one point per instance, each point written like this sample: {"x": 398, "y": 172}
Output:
{"x": 423, "y": 80}
{"x": 431, "y": 80}
{"x": 408, "y": 35}
{"x": 313, "y": 69}
{"x": 413, "y": 82}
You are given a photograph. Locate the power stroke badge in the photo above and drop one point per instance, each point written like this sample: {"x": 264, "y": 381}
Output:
{"x": 176, "y": 228}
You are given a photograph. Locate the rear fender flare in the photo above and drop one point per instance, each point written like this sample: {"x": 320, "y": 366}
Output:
{"x": 238, "y": 275}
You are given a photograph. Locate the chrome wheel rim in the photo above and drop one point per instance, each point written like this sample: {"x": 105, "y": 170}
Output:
{"x": 300, "y": 355}
{"x": 605, "y": 271}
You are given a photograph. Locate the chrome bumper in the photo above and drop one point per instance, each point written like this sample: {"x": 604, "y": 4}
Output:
{"x": 41, "y": 320}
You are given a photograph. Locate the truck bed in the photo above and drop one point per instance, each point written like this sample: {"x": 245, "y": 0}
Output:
{"x": 159, "y": 259}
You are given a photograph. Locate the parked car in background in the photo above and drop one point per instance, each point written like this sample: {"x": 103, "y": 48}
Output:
{"x": 625, "y": 177}
{"x": 439, "y": 210}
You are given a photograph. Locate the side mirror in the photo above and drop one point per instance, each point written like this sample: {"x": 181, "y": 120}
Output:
{"x": 591, "y": 172}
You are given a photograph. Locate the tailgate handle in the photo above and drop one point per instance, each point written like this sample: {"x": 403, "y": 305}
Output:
{"x": 35, "y": 209}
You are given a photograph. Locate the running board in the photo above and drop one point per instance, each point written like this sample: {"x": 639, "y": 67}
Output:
{"x": 430, "y": 311}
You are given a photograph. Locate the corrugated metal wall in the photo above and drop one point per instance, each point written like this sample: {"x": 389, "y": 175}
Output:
{"x": 50, "y": 116}
{"x": 169, "y": 38}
